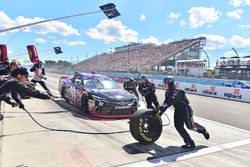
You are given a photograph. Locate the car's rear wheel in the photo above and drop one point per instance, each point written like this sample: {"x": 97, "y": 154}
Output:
{"x": 85, "y": 104}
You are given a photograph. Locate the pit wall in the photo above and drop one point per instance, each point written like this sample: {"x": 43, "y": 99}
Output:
{"x": 229, "y": 93}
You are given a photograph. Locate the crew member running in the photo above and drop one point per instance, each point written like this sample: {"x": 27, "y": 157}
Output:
{"x": 183, "y": 113}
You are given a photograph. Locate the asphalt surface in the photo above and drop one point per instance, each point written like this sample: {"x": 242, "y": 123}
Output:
{"x": 228, "y": 112}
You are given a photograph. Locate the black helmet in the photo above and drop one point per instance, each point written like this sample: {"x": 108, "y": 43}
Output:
{"x": 21, "y": 71}
{"x": 170, "y": 81}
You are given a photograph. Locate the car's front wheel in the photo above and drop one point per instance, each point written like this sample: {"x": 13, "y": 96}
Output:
{"x": 85, "y": 104}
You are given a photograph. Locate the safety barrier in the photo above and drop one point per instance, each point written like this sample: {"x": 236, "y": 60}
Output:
{"x": 230, "y": 93}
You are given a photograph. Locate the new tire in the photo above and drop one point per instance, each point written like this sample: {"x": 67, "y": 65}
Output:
{"x": 145, "y": 127}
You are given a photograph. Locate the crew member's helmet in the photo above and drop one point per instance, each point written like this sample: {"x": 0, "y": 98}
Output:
{"x": 21, "y": 71}
{"x": 170, "y": 81}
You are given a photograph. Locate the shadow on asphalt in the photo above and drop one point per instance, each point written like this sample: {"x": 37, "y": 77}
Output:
{"x": 157, "y": 151}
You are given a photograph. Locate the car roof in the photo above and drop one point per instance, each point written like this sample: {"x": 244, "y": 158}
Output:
{"x": 93, "y": 75}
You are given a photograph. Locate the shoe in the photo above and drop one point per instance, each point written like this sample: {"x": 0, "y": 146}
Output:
{"x": 1, "y": 117}
{"x": 188, "y": 146}
{"x": 206, "y": 135}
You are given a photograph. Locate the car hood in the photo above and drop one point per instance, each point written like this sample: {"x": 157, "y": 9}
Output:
{"x": 116, "y": 95}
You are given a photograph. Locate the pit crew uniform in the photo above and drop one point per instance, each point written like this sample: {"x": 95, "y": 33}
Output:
{"x": 147, "y": 89}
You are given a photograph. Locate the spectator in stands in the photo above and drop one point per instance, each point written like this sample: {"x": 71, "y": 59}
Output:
{"x": 147, "y": 89}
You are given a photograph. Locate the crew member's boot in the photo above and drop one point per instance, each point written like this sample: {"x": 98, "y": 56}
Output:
{"x": 189, "y": 145}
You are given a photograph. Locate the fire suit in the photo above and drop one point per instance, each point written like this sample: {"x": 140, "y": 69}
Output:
{"x": 183, "y": 114}
{"x": 130, "y": 86}
{"x": 147, "y": 89}
{"x": 14, "y": 87}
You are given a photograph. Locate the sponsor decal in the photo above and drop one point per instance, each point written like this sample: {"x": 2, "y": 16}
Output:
{"x": 192, "y": 89}
{"x": 211, "y": 91}
{"x": 122, "y": 107}
{"x": 235, "y": 95}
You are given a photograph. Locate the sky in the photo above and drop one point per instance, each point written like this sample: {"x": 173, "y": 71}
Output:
{"x": 225, "y": 24}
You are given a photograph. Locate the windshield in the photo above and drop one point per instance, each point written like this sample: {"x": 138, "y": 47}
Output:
{"x": 108, "y": 84}
{"x": 101, "y": 84}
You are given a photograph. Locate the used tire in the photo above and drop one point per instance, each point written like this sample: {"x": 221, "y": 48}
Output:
{"x": 85, "y": 104}
{"x": 145, "y": 127}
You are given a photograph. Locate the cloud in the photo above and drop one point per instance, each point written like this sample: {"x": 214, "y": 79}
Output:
{"x": 238, "y": 41}
{"x": 236, "y": 14}
{"x": 44, "y": 28}
{"x": 183, "y": 22}
{"x": 198, "y": 16}
{"x": 10, "y": 51}
{"x": 112, "y": 31}
{"x": 173, "y": 16}
{"x": 244, "y": 26}
{"x": 237, "y": 3}
{"x": 40, "y": 40}
{"x": 168, "y": 41}
{"x": 151, "y": 39}
{"x": 69, "y": 43}
{"x": 155, "y": 40}
{"x": 214, "y": 41}
{"x": 142, "y": 17}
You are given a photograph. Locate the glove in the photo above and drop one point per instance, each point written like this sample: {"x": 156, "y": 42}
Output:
{"x": 160, "y": 110}
{"x": 21, "y": 106}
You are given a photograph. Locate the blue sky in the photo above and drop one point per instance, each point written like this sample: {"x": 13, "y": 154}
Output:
{"x": 225, "y": 23}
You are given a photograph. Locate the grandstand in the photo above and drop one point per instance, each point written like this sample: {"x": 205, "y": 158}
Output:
{"x": 148, "y": 58}
{"x": 233, "y": 68}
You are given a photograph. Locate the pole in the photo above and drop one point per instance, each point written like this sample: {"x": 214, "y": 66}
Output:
{"x": 208, "y": 61}
{"x": 238, "y": 65}
{"x": 49, "y": 20}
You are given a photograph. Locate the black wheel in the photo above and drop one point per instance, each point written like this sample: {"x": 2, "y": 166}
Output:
{"x": 145, "y": 127}
{"x": 85, "y": 104}
{"x": 63, "y": 91}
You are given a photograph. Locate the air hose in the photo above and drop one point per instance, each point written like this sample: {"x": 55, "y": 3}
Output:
{"x": 80, "y": 132}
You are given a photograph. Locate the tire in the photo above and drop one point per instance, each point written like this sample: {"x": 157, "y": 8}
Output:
{"x": 149, "y": 134}
{"x": 85, "y": 104}
{"x": 63, "y": 92}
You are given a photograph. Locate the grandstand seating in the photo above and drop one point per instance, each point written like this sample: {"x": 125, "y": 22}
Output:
{"x": 131, "y": 59}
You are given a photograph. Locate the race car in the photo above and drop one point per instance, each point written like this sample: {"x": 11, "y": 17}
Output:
{"x": 236, "y": 84}
{"x": 97, "y": 95}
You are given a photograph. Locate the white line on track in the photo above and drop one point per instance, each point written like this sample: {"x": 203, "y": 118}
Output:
{"x": 187, "y": 155}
